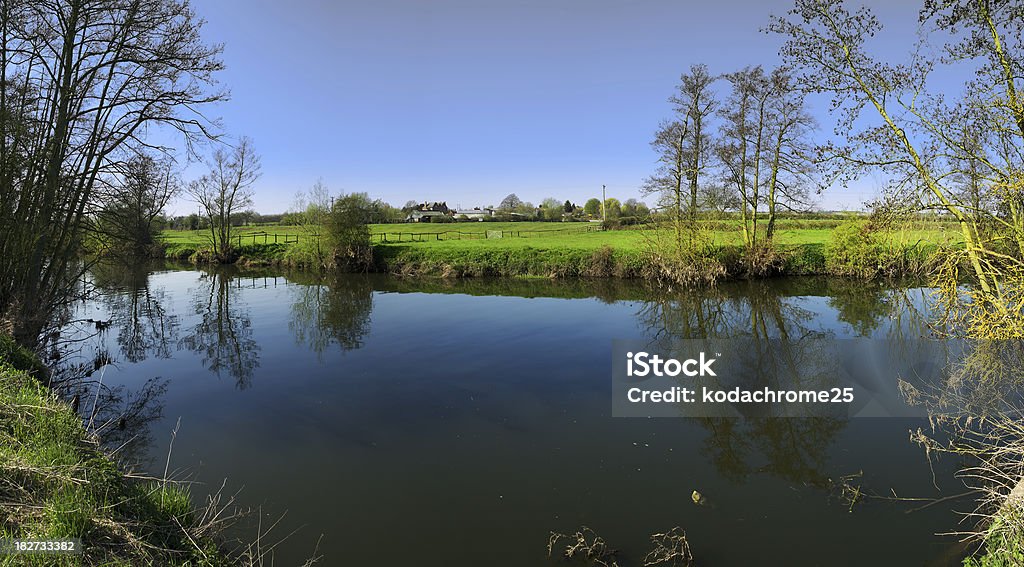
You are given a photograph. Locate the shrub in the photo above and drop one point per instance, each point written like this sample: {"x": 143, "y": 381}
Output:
{"x": 348, "y": 231}
{"x": 602, "y": 263}
{"x": 854, "y": 249}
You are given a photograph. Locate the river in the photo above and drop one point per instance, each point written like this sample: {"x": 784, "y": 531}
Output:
{"x": 431, "y": 422}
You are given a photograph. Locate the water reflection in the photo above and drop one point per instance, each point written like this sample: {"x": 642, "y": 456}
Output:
{"x": 223, "y": 336}
{"x": 368, "y": 438}
{"x": 331, "y": 310}
{"x": 144, "y": 327}
{"x": 861, "y": 305}
{"x": 794, "y": 449}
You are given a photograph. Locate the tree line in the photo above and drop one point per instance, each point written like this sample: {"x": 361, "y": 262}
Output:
{"x": 735, "y": 142}
{"x": 84, "y": 85}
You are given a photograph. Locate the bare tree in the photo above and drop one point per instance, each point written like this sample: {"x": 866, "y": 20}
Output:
{"x": 743, "y": 135}
{"x": 511, "y": 202}
{"x": 133, "y": 200}
{"x": 225, "y": 189}
{"x": 82, "y": 83}
{"x": 669, "y": 182}
{"x": 764, "y": 152}
{"x": 695, "y": 104}
{"x": 790, "y": 170}
{"x": 312, "y": 209}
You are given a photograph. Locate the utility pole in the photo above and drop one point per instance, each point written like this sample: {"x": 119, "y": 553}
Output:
{"x": 604, "y": 197}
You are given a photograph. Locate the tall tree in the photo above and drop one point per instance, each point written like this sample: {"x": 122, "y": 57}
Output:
{"x": 82, "y": 83}
{"x": 669, "y": 180}
{"x": 891, "y": 123}
{"x": 226, "y": 189}
{"x": 510, "y": 203}
{"x": 790, "y": 163}
{"x": 827, "y": 44}
{"x": 742, "y": 147}
{"x": 695, "y": 103}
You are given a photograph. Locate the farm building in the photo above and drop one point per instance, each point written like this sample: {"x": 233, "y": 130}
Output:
{"x": 476, "y": 214}
{"x": 426, "y": 212}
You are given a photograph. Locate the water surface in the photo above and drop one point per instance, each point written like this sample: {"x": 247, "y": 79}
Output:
{"x": 404, "y": 422}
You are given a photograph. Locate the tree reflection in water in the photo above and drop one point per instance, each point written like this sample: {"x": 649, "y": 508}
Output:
{"x": 223, "y": 336}
{"x": 139, "y": 322}
{"x": 144, "y": 327}
{"x": 793, "y": 449}
{"x": 332, "y": 310}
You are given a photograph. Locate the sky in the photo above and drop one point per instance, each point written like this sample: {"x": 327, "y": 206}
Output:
{"x": 466, "y": 101}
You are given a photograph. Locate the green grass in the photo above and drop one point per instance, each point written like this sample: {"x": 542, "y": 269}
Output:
{"x": 539, "y": 248}
{"x": 58, "y": 484}
{"x": 546, "y": 234}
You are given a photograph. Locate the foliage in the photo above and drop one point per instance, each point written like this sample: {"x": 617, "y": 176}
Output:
{"x": 20, "y": 358}
{"x": 854, "y": 249}
{"x": 510, "y": 203}
{"x": 973, "y": 312}
{"x": 612, "y": 208}
{"x": 82, "y": 86}
{"x": 636, "y": 210}
{"x": 348, "y": 231}
{"x": 683, "y": 256}
{"x": 552, "y": 209}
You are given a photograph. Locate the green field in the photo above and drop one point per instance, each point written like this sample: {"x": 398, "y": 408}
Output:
{"x": 547, "y": 235}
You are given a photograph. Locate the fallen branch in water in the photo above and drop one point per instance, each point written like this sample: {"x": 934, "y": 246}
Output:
{"x": 584, "y": 544}
{"x": 670, "y": 548}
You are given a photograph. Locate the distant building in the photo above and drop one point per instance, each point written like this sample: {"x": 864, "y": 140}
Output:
{"x": 423, "y": 216}
{"x": 426, "y": 212}
{"x": 476, "y": 214}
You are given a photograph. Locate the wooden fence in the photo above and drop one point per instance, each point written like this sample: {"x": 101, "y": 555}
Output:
{"x": 391, "y": 236}
{"x": 399, "y": 236}
{"x": 270, "y": 238}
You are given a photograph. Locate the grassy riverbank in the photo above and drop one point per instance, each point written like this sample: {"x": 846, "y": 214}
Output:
{"x": 562, "y": 249}
{"x": 58, "y": 484}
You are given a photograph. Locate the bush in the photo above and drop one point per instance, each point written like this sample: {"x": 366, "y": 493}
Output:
{"x": 854, "y": 249}
{"x": 348, "y": 231}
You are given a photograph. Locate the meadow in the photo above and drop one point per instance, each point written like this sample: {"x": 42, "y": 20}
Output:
{"x": 553, "y": 235}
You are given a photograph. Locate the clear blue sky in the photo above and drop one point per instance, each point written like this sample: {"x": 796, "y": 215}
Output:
{"x": 469, "y": 100}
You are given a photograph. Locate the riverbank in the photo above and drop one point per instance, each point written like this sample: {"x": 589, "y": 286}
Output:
{"x": 511, "y": 258}
{"x": 530, "y": 249}
{"x": 59, "y": 484}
